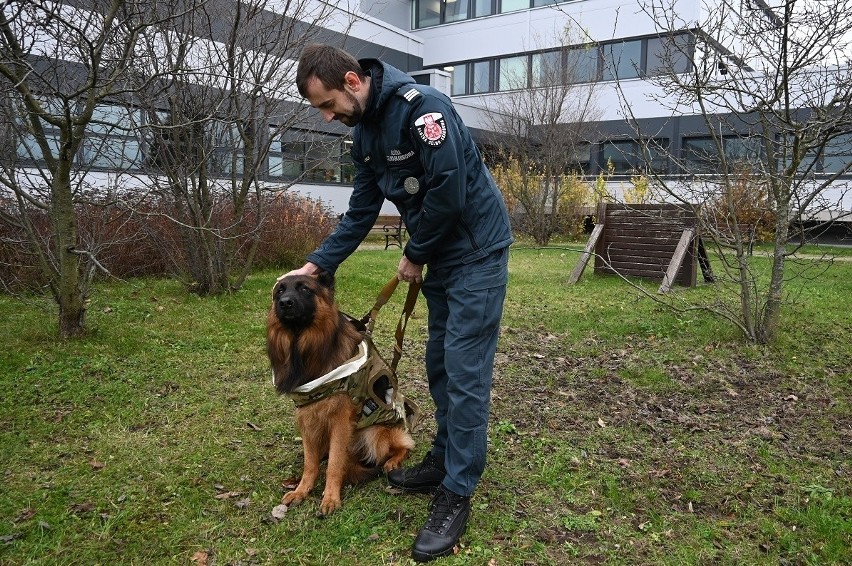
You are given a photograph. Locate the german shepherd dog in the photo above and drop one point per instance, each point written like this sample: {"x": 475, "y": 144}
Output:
{"x": 307, "y": 336}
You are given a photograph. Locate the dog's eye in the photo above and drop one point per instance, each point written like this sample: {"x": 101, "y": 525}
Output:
{"x": 305, "y": 289}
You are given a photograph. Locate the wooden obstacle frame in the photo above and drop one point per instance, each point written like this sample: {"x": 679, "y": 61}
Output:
{"x": 652, "y": 241}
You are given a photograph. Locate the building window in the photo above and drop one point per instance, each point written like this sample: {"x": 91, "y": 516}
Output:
{"x": 287, "y": 156}
{"x": 701, "y": 154}
{"x": 671, "y": 54}
{"x": 582, "y": 64}
{"x": 622, "y": 60}
{"x": 579, "y": 159}
{"x": 323, "y": 161}
{"x": 299, "y": 155}
{"x": 347, "y": 167}
{"x": 455, "y": 10}
{"x": 111, "y": 140}
{"x": 513, "y": 5}
{"x": 483, "y": 8}
{"x": 547, "y": 69}
{"x": 481, "y": 77}
{"x": 29, "y": 150}
{"x": 629, "y": 157}
{"x": 513, "y": 73}
{"x": 838, "y": 154}
{"x": 227, "y": 158}
{"x": 459, "y": 80}
{"x": 427, "y": 13}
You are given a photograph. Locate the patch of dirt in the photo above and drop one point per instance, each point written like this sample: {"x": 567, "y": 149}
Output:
{"x": 735, "y": 400}
{"x": 717, "y": 435}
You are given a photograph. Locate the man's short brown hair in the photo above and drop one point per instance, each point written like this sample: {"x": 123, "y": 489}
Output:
{"x": 328, "y": 64}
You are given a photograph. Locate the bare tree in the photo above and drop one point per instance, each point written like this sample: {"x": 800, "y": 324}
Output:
{"x": 211, "y": 120}
{"x": 773, "y": 86}
{"x": 540, "y": 123}
{"x": 59, "y": 62}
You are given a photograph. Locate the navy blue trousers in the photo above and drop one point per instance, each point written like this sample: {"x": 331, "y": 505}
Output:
{"x": 465, "y": 306}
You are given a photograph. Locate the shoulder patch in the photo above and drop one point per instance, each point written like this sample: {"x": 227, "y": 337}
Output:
{"x": 409, "y": 94}
{"x": 431, "y": 128}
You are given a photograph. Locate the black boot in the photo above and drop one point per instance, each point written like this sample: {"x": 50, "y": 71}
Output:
{"x": 425, "y": 477}
{"x": 448, "y": 514}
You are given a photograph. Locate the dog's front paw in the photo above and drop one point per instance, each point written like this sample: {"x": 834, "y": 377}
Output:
{"x": 292, "y": 498}
{"x": 330, "y": 504}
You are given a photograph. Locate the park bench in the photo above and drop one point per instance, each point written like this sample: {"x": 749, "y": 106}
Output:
{"x": 391, "y": 227}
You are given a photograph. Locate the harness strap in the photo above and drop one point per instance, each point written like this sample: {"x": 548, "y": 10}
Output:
{"x": 407, "y": 310}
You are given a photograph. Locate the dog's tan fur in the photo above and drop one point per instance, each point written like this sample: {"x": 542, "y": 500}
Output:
{"x": 303, "y": 349}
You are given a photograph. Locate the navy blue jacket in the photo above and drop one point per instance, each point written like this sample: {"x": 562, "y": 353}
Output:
{"x": 412, "y": 149}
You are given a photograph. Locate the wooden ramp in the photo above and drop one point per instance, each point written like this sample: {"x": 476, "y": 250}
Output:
{"x": 652, "y": 241}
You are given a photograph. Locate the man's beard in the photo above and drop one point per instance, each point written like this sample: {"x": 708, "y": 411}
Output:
{"x": 355, "y": 115}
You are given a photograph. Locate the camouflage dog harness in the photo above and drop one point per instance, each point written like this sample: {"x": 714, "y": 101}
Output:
{"x": 370, "y": 383}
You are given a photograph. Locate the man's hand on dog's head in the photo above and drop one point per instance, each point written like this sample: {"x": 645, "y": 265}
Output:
{"x": 307, "y": 269}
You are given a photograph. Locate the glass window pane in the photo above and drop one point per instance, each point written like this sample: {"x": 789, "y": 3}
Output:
{"x": 669, "y": 54}
{"x": 482, "y": 8}
{"x": 622, "y": 60}
{"x": 622, "y": 155}
{"x": 111, "y": 152}
{"x": 545, "y": 2}
{"x": 225, "y": 135}
{"x": 838, "y": 154}
{"x": 579, "y": 157}
{"x": 656, "y": 155}
{"x": 512, "y": 5}
{"x": 275, "y": 166}
{"x": 347, "y": 168}
{"x": 455, "y": 10}
{"x": 743, "y": 154}
{"x": 700, "y": 155}
{"x": 482, "y": 77}
{"x": 459, "y": 80}
{"x": 630, "y": 156}
{"x": 428, "y": 13}
{"x": 323, "y": 161}
{"x": 513, "y": 73}
{"x": 582, "y": 64}
{"x": 113, "y": 119}
{"x": 29, "y": 150}
{"x": 547, "y": 69}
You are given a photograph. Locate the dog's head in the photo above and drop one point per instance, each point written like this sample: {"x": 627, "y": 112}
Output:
{"x": 296, "y": 298}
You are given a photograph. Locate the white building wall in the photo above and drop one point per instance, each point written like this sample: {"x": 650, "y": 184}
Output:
{"x": 517, "y": 32}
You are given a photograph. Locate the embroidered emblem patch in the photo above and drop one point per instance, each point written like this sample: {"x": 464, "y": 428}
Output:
{"x": 411, "y": 185}
{"x": 431, "y": 128}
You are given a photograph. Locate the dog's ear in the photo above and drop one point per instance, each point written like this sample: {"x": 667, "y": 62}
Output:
{"x": 326, "y": 279}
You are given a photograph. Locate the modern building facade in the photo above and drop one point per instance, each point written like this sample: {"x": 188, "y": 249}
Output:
{"x": 474, "y": 50}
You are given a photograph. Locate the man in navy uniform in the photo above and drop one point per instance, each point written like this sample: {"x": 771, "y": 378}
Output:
{"x": 411, "y": 148}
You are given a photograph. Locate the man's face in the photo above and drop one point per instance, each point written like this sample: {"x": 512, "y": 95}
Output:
{"x": 342, "y": 105}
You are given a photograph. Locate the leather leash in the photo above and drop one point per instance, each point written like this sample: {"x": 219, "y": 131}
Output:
{"x": 384, "y": 296}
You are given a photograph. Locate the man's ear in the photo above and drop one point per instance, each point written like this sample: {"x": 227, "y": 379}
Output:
{"x": 352, "y": 80}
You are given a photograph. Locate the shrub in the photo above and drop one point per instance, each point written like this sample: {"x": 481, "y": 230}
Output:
{"x": 143, "y": 240}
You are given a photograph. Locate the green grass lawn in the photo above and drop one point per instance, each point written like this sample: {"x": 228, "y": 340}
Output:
{"x": 621, "y": 433}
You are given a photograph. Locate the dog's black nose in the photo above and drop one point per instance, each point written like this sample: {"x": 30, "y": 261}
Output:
{"x": 285, "y": 303}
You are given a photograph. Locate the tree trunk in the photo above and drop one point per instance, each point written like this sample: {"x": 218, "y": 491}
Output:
{"x": 770, "y": 322}
{"x": 68, "y": 285}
